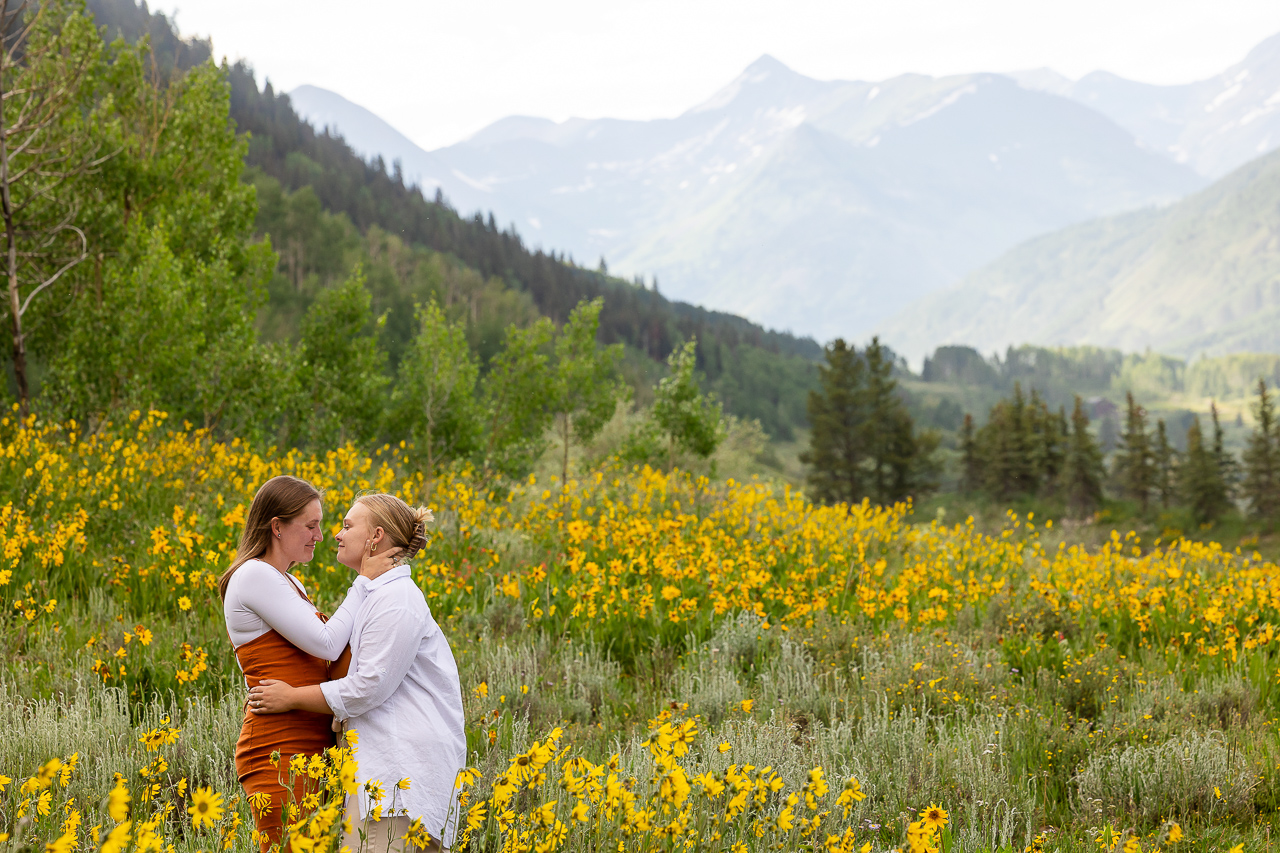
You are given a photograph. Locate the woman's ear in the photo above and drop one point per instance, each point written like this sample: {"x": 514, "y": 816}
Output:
{"x": 378, "y": 536}
{"x": 275, "y": 528}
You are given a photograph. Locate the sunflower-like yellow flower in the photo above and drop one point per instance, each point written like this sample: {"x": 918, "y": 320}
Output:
{"x": 206, "y": 807}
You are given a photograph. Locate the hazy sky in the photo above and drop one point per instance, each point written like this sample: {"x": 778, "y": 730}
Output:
{"x": 439, "y": 71}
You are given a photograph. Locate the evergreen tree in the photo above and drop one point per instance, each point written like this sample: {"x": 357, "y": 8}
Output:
{"x": 898, "y": 459}
{"x": 1007, "y": 444}
{"x": 1047, "y": 438}
{"x": 1228, "y": 467}
{"x": 970, "y": 460}
{"x": 1082, "y": 469}
{"x": 1200, "y": 478}
{"x": 837, "y": 414}
{"x": 1164, "y": 460}
{"x": 1134, "y": 467}
{"x": 1261, "y": 484}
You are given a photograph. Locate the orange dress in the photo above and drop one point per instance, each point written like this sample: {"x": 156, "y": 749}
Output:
{"x": 290, "y": 733}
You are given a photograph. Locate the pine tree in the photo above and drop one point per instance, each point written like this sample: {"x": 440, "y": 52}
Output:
{"x": 1200, "y": 478}
{"x": 1047, "y": 435}
{"x": 1007, "y": 442}
{"x": 1082, "y": 471}
{"x": 1134, "y": 468}
{"x": 1164, "y": 458}
{"x": 971, "y": 461}
{"x": 837, "y": 414}
{"x": 1228, "y": 467}
{"x": 1261, "y": 484}
{"x": 888, "y": 434}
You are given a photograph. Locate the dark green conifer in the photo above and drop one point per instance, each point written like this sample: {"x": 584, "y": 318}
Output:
{"x": 970, "y": 460}
{"x": 1164, "y": 457}
{"x": 837, "y": 414}
{"x": 1134, "y": 468}
{"x": 1200, "y": 478}
{"x": 1082, "y": 471}
{"x": 1228, "y": 467}
{"x": 1261, "y": 484}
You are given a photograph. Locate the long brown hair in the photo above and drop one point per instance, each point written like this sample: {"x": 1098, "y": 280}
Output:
{"x": 282, "y": 497}
{"x": 404, "y": 525}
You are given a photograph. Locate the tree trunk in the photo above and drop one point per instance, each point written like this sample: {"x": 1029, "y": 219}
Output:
{"x": 11, "y": 257}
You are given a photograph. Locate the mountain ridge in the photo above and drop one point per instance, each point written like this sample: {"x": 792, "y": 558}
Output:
{"x": 663, "y": 198}
{"x": 1201, "y": 277}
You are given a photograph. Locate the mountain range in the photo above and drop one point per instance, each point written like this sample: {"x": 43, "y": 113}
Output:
{"x": 818, "y": 207}
{"x": 1212, "y": 125}
{"x": 1201, "y": 277}
{"x": 839, "y": 208}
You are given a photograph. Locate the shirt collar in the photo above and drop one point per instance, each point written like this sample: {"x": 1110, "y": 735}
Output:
{"x": 394, "y": 573}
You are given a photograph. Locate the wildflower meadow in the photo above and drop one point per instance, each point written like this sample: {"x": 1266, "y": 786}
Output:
{"x": 650, "y": 661}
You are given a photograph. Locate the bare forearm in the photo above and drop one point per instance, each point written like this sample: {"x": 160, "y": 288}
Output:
{"x": 309, "y": 699}
{"x": 275, "y": 697}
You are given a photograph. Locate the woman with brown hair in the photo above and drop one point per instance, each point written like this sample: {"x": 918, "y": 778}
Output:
{"x": 278, "y": 633}
{"x": 402, "y": 694}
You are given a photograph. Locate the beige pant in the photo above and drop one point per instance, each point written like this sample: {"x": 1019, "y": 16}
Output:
{"x": 382, "y": 836}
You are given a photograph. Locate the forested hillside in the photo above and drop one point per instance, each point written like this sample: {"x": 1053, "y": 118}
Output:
{"x": 1197, "y": 277}
{"x": 325, "y": 210}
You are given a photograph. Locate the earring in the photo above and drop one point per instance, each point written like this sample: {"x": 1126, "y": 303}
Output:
{"x": 373, "y": 550}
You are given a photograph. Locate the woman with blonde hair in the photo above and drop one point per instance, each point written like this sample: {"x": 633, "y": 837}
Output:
{"x": 278, "y": 633}
{"x": 402, "y": 694}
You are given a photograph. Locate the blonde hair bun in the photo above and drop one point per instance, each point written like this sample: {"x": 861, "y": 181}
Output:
{"x": 406, "y": 526}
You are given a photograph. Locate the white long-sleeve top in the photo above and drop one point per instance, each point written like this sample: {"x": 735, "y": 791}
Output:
{"x": 260, "y": 598}
{"x": 403, "y": 698}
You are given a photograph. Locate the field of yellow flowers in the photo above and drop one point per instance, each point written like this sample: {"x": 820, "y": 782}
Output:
{"x": 650, "y": 661}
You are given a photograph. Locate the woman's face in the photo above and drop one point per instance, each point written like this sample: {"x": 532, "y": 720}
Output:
{"x": 356, "y": 530}
{"x": 299, "y": 536}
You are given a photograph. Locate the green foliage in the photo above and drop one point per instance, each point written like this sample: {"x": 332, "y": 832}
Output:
{"x": 56, "y": 130}
{"x": 1133, "y": 467}
{"x": 1021, "y": 447}
{"x": 1082, "y": 469}
{"x": 863, "y": 442}
{"x": 1261, "y": 483}
{"x": 516, "y": 394}
{"x": 960, "y": 365}
{"x": 685, "y": 418}
{"x": 584, "y": 384}
{"x": 1200, "y": 478}
{"x": 1231, "y": 376}
{"x": 166, "y": 335}
{"x": 338, "y": 380}
{"x": 836, "y": 454}
{"x": 163, "y": 311}
{"x": 434, "y": 398}
{"x": 1165, "y": 460}
{"x": 1151, "y": 375}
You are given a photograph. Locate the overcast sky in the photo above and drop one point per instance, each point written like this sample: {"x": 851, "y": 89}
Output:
{"x": 440, "y": 71}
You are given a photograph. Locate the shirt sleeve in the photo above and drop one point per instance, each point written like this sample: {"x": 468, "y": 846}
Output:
{"x": 389, "y": 643}
{"x": 276, "y": 601}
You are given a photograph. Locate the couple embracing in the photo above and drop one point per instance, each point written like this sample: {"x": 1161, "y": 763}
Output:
{"x": 380, "y": 666}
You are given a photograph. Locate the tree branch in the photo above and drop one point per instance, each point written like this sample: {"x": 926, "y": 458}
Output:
{"x": 47, "y": 282}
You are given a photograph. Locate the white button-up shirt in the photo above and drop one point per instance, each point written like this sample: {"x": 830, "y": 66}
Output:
{"x": 403, "y": 698}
